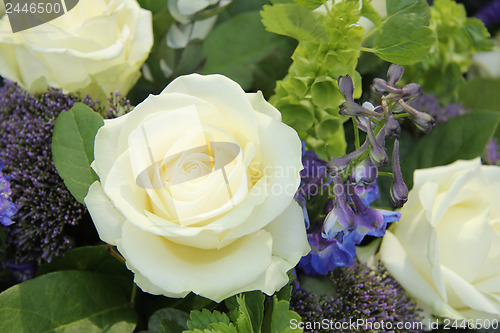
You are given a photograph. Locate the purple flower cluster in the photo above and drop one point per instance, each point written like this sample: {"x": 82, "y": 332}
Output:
{"x": 361, "y": 293}
{"x": 346, "y": 223}
{"x": 45, "y": 207}
{"x": 7, "y": 207}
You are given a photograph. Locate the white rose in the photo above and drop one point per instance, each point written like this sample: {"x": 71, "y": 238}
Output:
{"x": 196, "y": 190}
{"x": 446, "y": 249}
{"x": 97, "y": 47}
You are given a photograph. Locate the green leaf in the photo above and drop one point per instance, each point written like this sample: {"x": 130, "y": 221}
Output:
{"x": 73, "y": 148}
{"x": 481, "y": 94}
{"x": 294, "y": 21}
{"x": 92, "y": 259}
{"x": 251, "y": 311}
{"x": 204, "y": 318}
{"x": 404, "y": 36}
{"x": 168, "y": 320}
{"x": 67, "y": 301}
{"x": 279, "y": 316}
{"x": 229, "y": 54}
{"x": 462, "y": 137}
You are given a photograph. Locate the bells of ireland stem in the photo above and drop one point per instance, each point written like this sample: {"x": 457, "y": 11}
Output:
{"x": 399, "y": 191}
{"x": 341, "y": 217}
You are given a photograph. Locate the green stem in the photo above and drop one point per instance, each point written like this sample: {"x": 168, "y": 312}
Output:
{"x": 133, "y": 295}
{"x": 387, "y": 174}
{"x": 401, "y": 115}
{"x": 356, "y": 133}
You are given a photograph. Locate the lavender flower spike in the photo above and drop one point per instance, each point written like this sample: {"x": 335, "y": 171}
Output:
{"x": 399, "y": 191}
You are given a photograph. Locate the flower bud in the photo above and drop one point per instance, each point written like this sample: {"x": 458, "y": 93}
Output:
{"x": 365, "y": 173}
{"x": 394, "y": 73}
{"x": 399, "y": 191}
{"x": 392, "y": 127}
{"x": 346, "y": 87}
{"x": 377, "y": 151}
{"x": 339, "y": 164}
{"x": 411, "y": 91}
{"x": 351, "y": 109}
{"x": 424, "y": 121}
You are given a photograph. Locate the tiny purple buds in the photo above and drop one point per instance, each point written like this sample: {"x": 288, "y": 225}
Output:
{"x": 346, "y": 87}
{"x": 392, "y": 127}
{"x": 399, "y": 191}
{"x": 394, "y": 73}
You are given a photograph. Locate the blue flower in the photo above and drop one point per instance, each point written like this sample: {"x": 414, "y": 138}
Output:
{"x": 7, "y": 207}
{"x": 326, "y": 254}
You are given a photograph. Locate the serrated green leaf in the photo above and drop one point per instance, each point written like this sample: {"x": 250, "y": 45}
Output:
{"x": 168, "y": 320}
{"x": 294, "y": 21}
{"x": 404, "y": 37}
{"x": 73, "y": 148}
{"x": 229, "y": 54}
{"x": 462, "y": 137}
{"x": 204, "y": 318}
{"x": 66, "y": 301}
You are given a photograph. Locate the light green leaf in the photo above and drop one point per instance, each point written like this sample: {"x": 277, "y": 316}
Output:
{"x": 73, "y": 148}
{"x": 294, "y": 21}
{"x": 229, "y": 54}
{"x": 404, "y": 36}
{"x": 462, "y": 137}
{"x": 66, "y": 301}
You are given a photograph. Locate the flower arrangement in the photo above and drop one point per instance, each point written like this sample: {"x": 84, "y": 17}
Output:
{"x": 249, "y": 166}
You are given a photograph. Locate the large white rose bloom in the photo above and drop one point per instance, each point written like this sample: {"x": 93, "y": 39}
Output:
{"x": 196, "y": 190}
{"x": 98, "y": 47}
{"x": 446, "y": 249}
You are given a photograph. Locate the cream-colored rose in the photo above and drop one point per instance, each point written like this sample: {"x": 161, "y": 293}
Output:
{"x": 196, "y": 190}
{"x": 97, "y": 47}
{"x": 446, "y": 249}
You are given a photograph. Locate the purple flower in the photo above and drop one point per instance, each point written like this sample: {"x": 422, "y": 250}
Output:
{"x": 7, "y": 207}
{"x": 490, "y": 13}
{"x": 46, "y": 209}
{"x": 360, "y": 292}
{"x": 326, "y": 254}
{"x": 491, "y": 154}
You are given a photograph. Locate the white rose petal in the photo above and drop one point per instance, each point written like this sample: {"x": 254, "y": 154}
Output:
{"x": 197, "y": 190}
{"x": 98, "y": 47}
{"x": 446, "y": 249}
